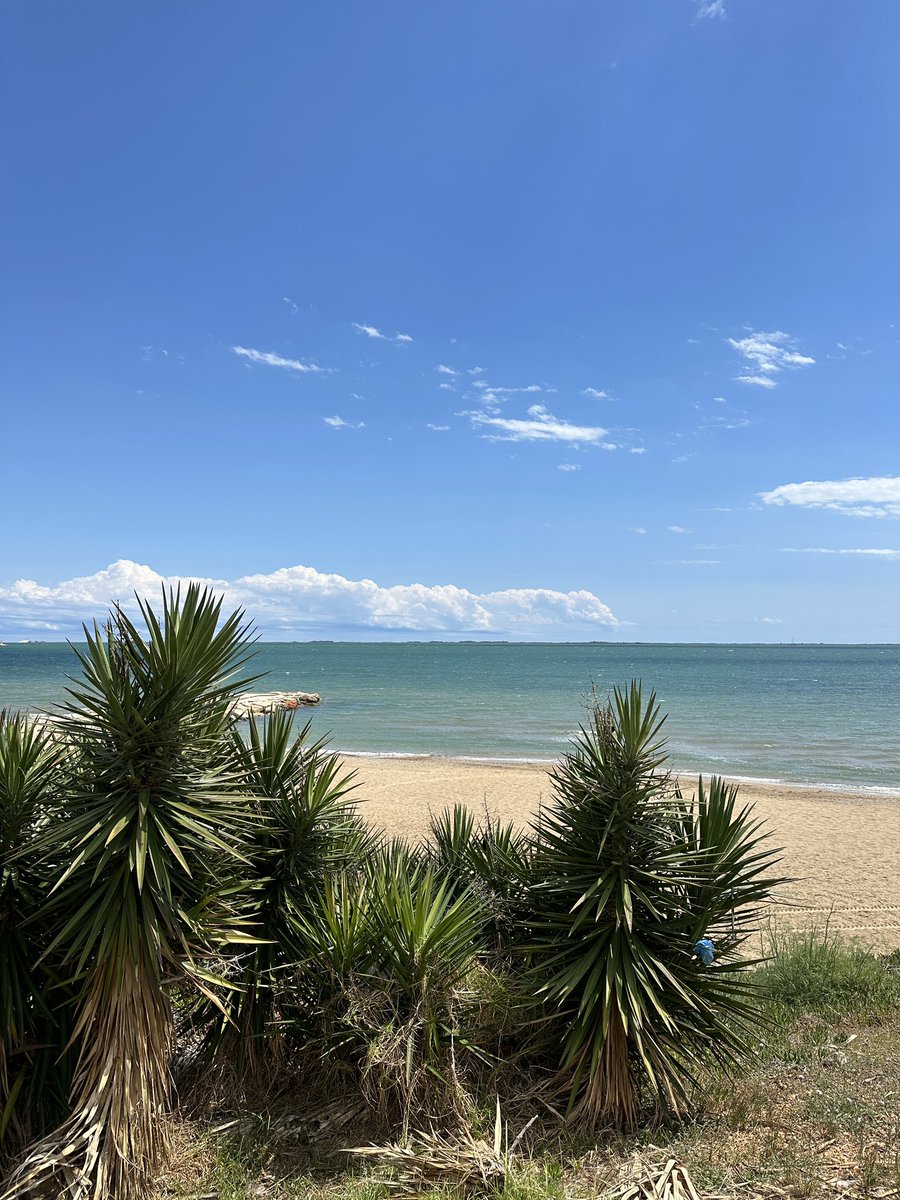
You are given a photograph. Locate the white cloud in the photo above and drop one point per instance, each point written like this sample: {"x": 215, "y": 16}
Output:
{"x": 877, "y": 496}
{"x": 371, "y": 332}
{"x": 444, "y": 370}
{"x": 638, "y": 529}
{"x": 569, "y": 467}
{"x": 509, "y": 391}
{"x": 446, "y": 387}
{"x": 541, "y": 426}
{"x": 596, "y": 394}
{"x": 301, "y": 600}
{"x": 770, "y": 620}
{"x": 678, "y": 529}
{"x": 710, "y": 8}
{"x": 276, "y": 360}
{"x": 767, "y": 354}
{"x": 638, "y": 450}
{"x": 757, "y": 380}
{"x": 339, "y": 423}
{"x": 866, "y": 551}
{"x": 437, "y": 428}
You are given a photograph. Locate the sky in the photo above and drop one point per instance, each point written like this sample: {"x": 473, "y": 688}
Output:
{"x": 540, "y": 319}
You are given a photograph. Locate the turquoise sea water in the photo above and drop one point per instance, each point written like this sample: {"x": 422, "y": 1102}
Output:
{"x": 809, "y": 714}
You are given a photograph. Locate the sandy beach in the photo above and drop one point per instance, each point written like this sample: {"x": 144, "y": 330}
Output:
{"x": 842, "y": 848}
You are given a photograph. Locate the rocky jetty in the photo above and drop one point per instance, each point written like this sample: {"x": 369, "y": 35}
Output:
{"x": 258, "y": 704}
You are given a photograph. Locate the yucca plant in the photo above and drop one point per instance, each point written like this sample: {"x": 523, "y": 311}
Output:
{"x": 151, "y": 839}
{"x": 307, "y": 830}
{"x": 388, "y": 954}
{"x": 637, "y": 886}
{"x": 34, "y": 1001}
{"x": 427, "y": 940}
{"x": 490, "y": 858}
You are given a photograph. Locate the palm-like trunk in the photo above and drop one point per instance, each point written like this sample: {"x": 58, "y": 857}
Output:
{"x": 115, "y": 1138}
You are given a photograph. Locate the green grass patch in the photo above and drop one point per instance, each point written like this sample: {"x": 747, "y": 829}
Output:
{"x": 829, "y": 975}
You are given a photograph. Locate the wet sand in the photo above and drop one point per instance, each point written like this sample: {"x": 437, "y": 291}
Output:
{"x": 842, "y": 848}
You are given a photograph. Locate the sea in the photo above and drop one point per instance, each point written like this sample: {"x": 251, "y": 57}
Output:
{"x": 821, "y": 715}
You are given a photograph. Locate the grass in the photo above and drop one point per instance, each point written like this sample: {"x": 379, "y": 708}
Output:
{"x": 817, "y": 1115}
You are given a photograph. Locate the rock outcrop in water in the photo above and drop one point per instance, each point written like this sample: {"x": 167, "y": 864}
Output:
{"x": 249, "y": 704}
{"x": 258, "y": 704}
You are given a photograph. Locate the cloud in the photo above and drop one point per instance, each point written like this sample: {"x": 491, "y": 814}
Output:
{"x": 541, "y": 426}
{"x": 638, "y": 450}
{"x": 638, "y": 529}
{"x": 758, "y": 380}
{"x": 710, "y": 8}
{"x": 596, "y": 394}
{"x": 509, "y": 391}
{"x": 767, "y": 354}
{"x": 303, "y": 601}
{"x": 770, "y": 620}
{"x": 877, "y": 496}
{"x": 677, "y": 529}
{"x": 443, "y": 370}
{"x": 437, "y": 428}
{"x": 291, "y": 305}
{"x": 690, "y": 562}
{"x": 339, "y": 423}
{"x": 866, "y": 551}
{"x": 569, "y": 467}
{"x": 276, "y": 360}
{"x": 371, "y": 332}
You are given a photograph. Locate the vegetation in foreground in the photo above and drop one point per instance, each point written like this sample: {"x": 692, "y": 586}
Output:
{"x": 817, "y": 1114}
{"x": 180, "y": 900}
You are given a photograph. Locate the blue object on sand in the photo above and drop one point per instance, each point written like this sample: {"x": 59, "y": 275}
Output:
{"x": 705, "y": 951}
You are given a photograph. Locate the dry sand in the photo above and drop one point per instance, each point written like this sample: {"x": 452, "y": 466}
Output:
{"x": 842, "y": 848}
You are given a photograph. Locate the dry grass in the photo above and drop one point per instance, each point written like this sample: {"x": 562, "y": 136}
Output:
{"x": 818, "y": 1117}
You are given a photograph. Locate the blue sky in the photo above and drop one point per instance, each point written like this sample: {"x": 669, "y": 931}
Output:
{"x": 516, "y": 318}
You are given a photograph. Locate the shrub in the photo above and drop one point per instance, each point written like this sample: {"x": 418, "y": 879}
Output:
{"x": 34, "y": 1070}
{"x": 491, "y": 859}
{"x": 151, "y": 835}
{"x": 305, "y": 829}
{"x": 630, "y": 876}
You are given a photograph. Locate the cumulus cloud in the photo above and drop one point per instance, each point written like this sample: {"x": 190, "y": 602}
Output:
{"x": 876, "y": 496}
{"x": 541, "y": 426}
{"x": 766, "y": 355}
{"x": 437, "y": 428}
{"x": 445, "y": 370}
{"x": 678, "y": 529}
{"x": 569, "y": 467}
{"x": 371, "y": 332}
{"x": 710, "y": 8}
{"x": 596, "y": 394}
{"x": 276, "y": 360}
{"x": 337, "y": 422}
{"x": 301, "y": 601}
